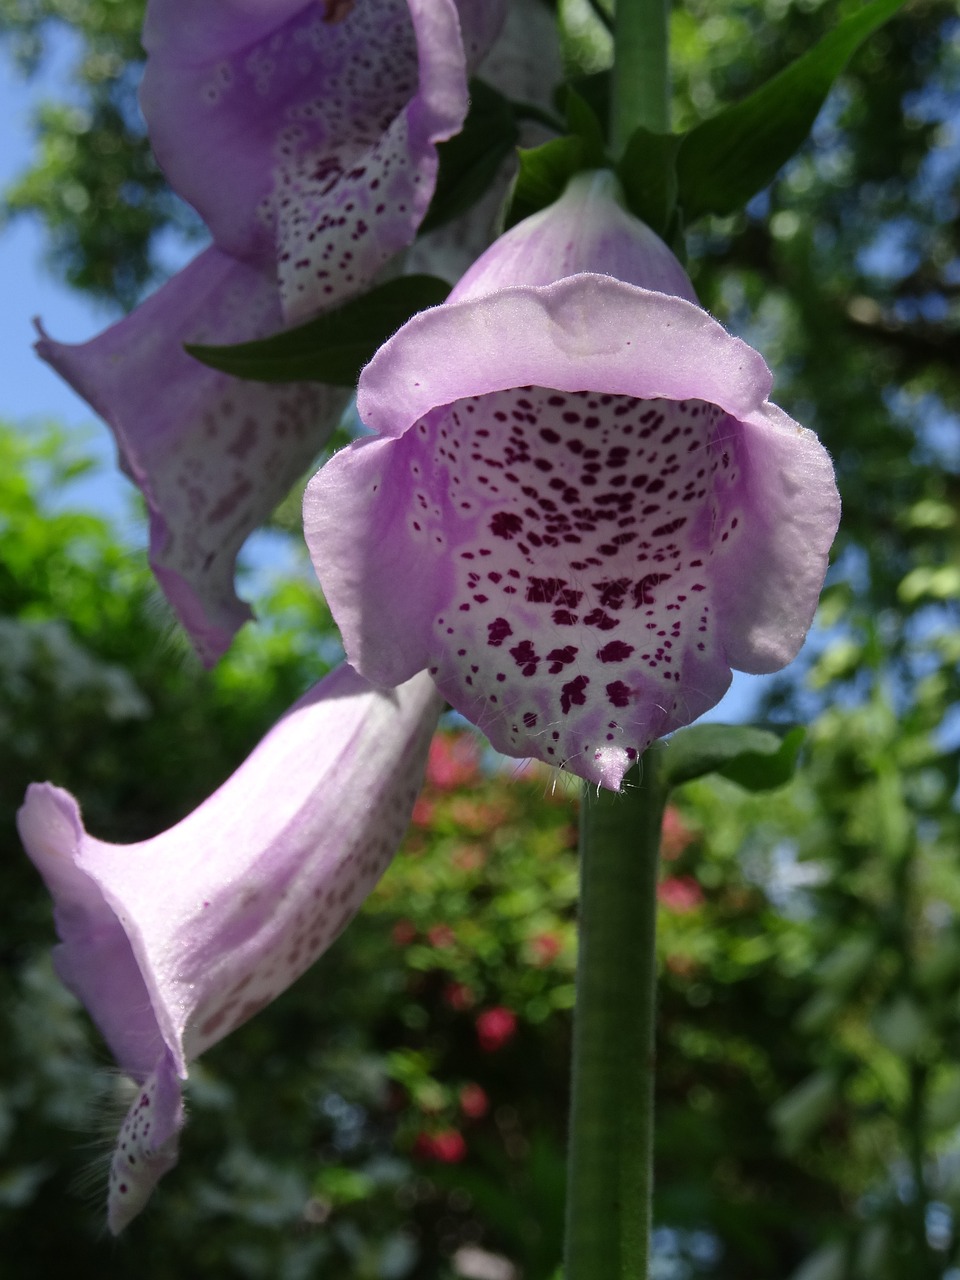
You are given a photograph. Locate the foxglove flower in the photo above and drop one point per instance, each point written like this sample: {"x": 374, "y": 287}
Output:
{"x": 305, "y": 134}
{"x": 173, "y": 942}
{"x": 582, "y": 509}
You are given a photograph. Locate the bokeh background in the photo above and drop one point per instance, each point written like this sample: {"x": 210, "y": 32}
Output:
{"x": 400, "y": 1113}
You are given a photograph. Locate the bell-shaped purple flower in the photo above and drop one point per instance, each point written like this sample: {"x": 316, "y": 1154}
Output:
{"x": 582, "y": 509}
{"x": 173, "y": 942}
{"x": 305, "y": 132}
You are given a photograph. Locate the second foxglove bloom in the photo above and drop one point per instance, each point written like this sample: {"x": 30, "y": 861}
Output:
{"x": 582, "y": 510}
{"x": 305, "y": 133}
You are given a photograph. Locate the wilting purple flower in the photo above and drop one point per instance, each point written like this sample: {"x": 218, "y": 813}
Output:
{"x": 173, "y": 942}
{"x": 582, "y": 510}
{"x": 305, "y": 133}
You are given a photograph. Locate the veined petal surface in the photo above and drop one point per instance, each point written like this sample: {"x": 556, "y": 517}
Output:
{"x": 212, "y": 456}
{"x": 305, "y": 133}
{"x": 173, "y": 942}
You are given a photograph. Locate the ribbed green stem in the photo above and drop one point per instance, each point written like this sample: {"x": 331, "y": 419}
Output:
{"x": 641, "y": 70}
{"x": 610, "y": 1171}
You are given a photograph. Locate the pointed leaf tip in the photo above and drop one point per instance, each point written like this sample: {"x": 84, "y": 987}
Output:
{"x": 755, "y": 759}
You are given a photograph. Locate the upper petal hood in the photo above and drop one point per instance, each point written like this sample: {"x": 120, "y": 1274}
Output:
{"x": 173, "y": 942}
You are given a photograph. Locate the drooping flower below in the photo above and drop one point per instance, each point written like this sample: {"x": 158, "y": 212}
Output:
{"x": 582, "y": 509}
{"x": 174, "y": 942}
{"x": 305, "y": 134}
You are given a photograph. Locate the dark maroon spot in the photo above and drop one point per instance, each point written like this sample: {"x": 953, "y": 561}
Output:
{"x": 602, "y": 621}
{"x": 552, "y": 591}
{"x": 529, "y": 719}
{"x": 564, "y": 618}
{"x": 506, "y": 525}
{"x": 572, "y": 694}
{"x": 615, "y": 651}
{"x": 613, "y": 592}
{"x": 548, "y": 434}
{"x": 619, "y": 694}
{"x": 526, "y": 657}
{"x": 497, "y": 632}
{"x": 643, "y": 591}
{"x": 560, "y": 658}
{"x": 672, "y": 527}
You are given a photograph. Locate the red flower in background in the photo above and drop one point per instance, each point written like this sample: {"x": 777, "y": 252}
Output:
{"x": 474, "y": 1102}
{"x": 423, "y": 809}
{"x": 544, "y": 949}
{"x": 447, "y": 1146}
{"x": 454, "y": 761}
{"x": 459, "y": 996}
{"x": 495, "y": 1028}
{"x": 675, "y": 835}
{"x": 403, "y": 933}
{"x": 441, "y": 935}
{"x": 680, "y": 894}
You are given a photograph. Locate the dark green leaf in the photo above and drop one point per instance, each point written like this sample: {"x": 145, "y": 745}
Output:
{"x": 335, "y": 346}
{"x": 755, "y": 758}
{"x": 585, "y": 125}
{"x": 648, "y": 175}
{"x": 543, "y": 176}
{"x": 595, "y": 91}
{"x": 469, "y": 161}
{"x": 729, "y": 158}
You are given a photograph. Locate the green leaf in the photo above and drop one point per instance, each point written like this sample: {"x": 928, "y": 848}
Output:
{"x": 333, "y": 347}
{"x": 648, "y": 175}
{"x": 584, "y": 124}
{"x": 754, "y": 758}
{"x": 595, "y": 91}
{"x": 469, "y": 161}
{"x": 543, "y": 176}
{"x": 729, "y": 158}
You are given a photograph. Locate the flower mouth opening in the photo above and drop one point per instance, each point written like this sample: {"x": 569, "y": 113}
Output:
{"x": 579, "y": 527}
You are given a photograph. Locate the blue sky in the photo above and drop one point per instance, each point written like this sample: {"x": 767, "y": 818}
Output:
{"x": 31, "y": 390}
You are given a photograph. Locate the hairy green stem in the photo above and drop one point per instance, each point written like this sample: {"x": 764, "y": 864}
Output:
{"x": 641, "y": 72}
{"x": 610, "y": 1170}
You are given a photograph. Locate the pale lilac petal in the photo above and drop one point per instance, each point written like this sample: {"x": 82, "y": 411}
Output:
{"x": 582, "y": 511}
{"x": 213, "y": 456}
{"x": 307, "y": 137}
{"x": 524, "y": 64}
{"x": 598, "y": 231}
{"x": 173, "y": 942}
{"x": 146, "y": 1145}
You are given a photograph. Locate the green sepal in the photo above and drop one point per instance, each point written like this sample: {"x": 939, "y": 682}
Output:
{"x": 594, "y": 90}
{"x": 334, "y": 346}
{"x": 545, "y": 170}
{"x": 584, "y": 123}
{"x": 543, "y": 176}
{"x": 648, "y": 175}
{"x": 754, "y": 758}
{"x": 470, "y": 160}
{"x": 726, "y": 160}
